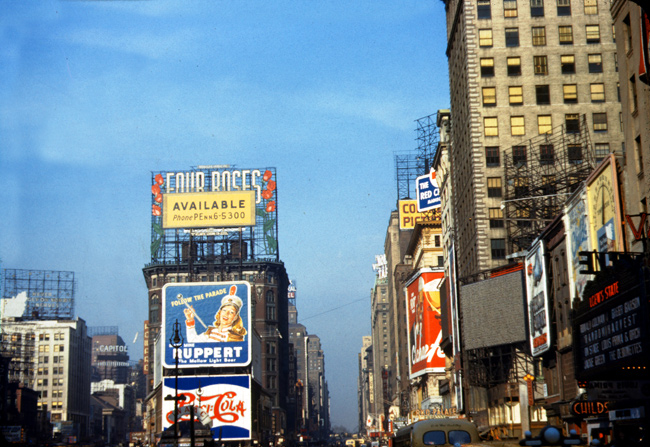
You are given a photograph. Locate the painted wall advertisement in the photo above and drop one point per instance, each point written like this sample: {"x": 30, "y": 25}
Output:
{"x": 577, "y": 230}
{"x": 604, "y": 207}
{"x": 425, "y": 329}
{"x": 222, "y": 403}
{"x": 537, "y": 299}
{"x": 214, "y": 320}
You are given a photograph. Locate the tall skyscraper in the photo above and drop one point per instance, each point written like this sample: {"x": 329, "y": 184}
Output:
{"x": 533, "y": 85}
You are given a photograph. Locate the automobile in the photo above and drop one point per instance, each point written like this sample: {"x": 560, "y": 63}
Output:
{"x": 435, "y": 432}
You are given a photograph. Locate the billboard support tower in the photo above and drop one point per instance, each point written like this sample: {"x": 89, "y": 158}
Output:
{"x": 412, "y": 164}
{"x": 540, "y": 175}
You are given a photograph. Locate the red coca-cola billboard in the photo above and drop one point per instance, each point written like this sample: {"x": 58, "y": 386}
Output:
{"x": 424, "y": 323}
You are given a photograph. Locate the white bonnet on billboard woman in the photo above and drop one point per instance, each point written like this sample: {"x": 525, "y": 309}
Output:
{"x": 227, "y": 326}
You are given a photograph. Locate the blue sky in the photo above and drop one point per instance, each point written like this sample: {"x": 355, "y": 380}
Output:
{"x": 95, "y": 95}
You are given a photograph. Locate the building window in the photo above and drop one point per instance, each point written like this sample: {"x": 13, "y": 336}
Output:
{"x": 512, "y": 37}
{"x": 568, "y": 64}
{"x": 489, "y": 96}
{"x": 537, "y": 8}
{"x": 570, "y": 92}
{"x": 523, "y": 217}
{"x": 628, "y": 34}
{"x": 485, "y": 38}
{"x": 494, "y": 187}
{"x": 541, "y": 65}
{"x": 522, "y": 186}
{"x": 270, "y": 305}
{"x": 572, "y": 123}
{"x": 487, "y": 67}
{"x": 634, "y": 99}
{"x": 595, "y": 63}
{"x": 514, "y": 66}
{"x": 591, "y": 7}
{"x": 492, "y": 157}
{"x": 517, "y": 125}
{"x": 566, "y": 34}
{"x": 519, "y": 155}
{"x": 543, "y": 94}
{"x": 593, "y": 33}
{"x": 539, "y": 36}
{"x": 600, "y": 122}
{"x": 597, "y": 92}
{"x": 639, "y": 155}
{"x": 496, "y": 217}
{"x": 483, "y": 9}
{"x": 516, "y": 95}
{"x": 509, "y": 8}
{"x": 491, "y": 126}
{"x": 564, "y": 7}
{"x": 498, "y": 248}
{"x": 544, "y": 124}
{"x": 546, "y": 154}
{"x": 601, "y": 151}
{"x": 548, "y": 185}
{"x": 574, "y": 152}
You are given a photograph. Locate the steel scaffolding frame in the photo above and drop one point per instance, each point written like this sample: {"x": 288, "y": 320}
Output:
{"x": 540, "y": 175}
{"x": 496, "y": 365}
{"x": 50, "y": 293}
{"x": 412, "y": 164}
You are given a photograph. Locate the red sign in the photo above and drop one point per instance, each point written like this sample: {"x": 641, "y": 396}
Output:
{"x": 425, "y": 331}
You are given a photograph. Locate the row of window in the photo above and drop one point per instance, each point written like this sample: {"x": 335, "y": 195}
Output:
{"x": 56, "y": 394}
{"x": 55, "y": 370}
{"x": 46, "y": 336}
{"x": 46, "y": 348}
{"x": 44, "y": 382}
{"x": 538, "y": 34}
{"x": 544, "y": 124}
{"x": 55, "y": 359}
{"x": 540, "y": 65}
{"x": 546, "y": 157}
{"x": 543, "y": 94}
{"x": 511, "y": 10}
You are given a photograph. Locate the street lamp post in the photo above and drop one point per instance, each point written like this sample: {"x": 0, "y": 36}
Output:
{"x": 176, "y": 341}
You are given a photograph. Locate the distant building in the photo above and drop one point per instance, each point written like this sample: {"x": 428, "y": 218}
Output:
{"x": 110, "y": 359}
{"x": 52, "y": 357}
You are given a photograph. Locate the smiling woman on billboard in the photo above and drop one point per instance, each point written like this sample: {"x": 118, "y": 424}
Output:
{"x": 217, "y": 324}
{"x": 227, "y": 326}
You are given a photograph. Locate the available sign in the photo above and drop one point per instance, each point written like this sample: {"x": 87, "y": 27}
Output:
{"x": 209, "y": 209}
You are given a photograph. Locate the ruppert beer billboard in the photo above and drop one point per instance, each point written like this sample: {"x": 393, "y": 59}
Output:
{"x": 223, "y": 403}
{"x": 425, "y": 330}
{"x": 214, "y": 320}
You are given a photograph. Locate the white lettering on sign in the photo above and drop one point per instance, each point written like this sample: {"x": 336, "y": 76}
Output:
{"x": 234, "y": 180}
